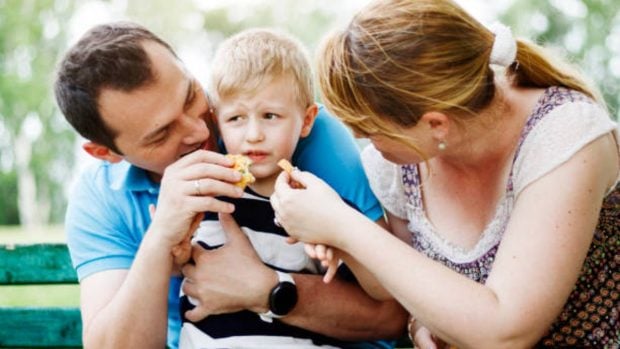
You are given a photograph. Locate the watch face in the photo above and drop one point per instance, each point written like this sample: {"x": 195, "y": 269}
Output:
{"x": 283, "y": 298}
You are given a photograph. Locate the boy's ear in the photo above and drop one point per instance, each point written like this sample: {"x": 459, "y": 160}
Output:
{"x": 309, "y": 118}
{"x": 101, "y": 152}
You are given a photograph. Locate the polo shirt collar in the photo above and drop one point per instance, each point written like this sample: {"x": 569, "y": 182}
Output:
{"x": 133, "y": 178}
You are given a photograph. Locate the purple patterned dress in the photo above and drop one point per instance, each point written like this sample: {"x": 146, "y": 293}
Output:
{"x": 591, "y": 315}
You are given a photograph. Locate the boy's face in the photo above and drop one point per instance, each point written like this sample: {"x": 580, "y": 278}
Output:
{"x": 158, "y": 123}
{"x": 265, "y": 126}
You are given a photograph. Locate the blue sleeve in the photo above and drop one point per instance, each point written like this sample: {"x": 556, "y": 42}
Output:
{"x": 330, "y": 152}
{"x": 105, "y": 223}
{"x": 97, "y": 235}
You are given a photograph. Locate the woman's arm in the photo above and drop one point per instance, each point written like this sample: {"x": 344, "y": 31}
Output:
{"x": 369, "y": 282}
{"x": 538, "y": 262}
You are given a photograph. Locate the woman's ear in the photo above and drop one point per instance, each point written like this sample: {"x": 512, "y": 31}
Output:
{"x": 439, "y": 124}
{"x": 101, "y": 152}
{"x": 309, "y": 117}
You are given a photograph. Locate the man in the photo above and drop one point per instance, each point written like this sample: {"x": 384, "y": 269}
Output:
{"x": 125, "y": 91}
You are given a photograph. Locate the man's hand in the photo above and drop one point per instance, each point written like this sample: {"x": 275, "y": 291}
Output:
{"x": 228, "y": 279}
{"x": 188, "y": 188}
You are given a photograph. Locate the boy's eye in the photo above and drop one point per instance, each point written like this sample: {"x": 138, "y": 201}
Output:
{"x": 234, "y": 118}
{"x": 270, "y": 116}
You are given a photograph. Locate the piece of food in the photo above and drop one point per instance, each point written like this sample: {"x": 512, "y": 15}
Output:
{"x": 242, "y": 164}
{"x": 288, "y": 168}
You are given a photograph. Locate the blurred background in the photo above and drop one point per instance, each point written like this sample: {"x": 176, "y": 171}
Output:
{"x": 40, "y": 154}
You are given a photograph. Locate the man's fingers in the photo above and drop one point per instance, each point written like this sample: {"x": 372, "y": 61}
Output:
{"x": 211, "y": 187}
{"x": 204, "y": 156}
{"x": 210, "y": 204}
{"x": 189, "y": 270}
{"x": 215, "y": 171}
{"x": 197, "y": 314}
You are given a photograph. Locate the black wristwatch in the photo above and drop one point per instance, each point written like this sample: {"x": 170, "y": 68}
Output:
{"x": 282, "y": 298}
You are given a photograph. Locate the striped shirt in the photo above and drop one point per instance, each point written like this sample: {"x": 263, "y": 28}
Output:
{"x": 255, "y": 216}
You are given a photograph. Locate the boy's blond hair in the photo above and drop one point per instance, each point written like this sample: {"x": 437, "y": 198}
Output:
{"x": 248, "y": 60}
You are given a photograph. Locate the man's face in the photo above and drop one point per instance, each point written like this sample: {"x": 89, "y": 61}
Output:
{"x": 158, "y": 123}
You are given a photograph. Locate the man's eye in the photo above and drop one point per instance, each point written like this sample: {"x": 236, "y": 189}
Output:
{"x": 161, "y": 137}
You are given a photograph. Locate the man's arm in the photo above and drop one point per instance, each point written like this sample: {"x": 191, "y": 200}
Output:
{"x": 126, "y": 306}
{"x": 233, "y": 278}
{"x": 342, "y": 310}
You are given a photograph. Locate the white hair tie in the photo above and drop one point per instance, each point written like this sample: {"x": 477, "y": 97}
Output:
{"x": 504, "y": 51}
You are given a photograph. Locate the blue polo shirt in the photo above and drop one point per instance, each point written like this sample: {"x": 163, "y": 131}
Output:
{"x": 108, "y": 213}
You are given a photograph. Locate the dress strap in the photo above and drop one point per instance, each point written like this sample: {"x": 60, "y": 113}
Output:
{"x": 411, "y": 184}
{"x": 552, "y": 97}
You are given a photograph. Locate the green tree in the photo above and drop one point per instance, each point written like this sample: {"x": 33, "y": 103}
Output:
{"x": 37, "y": 149}
{"x": 587, "y": 31}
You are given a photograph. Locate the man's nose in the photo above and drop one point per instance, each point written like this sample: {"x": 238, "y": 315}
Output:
{"x": 196, "y": 130}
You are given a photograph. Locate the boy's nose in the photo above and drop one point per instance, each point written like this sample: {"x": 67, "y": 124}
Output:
{"x": 254, "y": 132}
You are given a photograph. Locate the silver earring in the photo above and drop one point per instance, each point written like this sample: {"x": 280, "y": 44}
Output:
{"x": 442, "y": 145}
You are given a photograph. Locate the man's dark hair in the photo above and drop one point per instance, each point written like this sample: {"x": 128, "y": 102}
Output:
{"x": 107, "y": 56}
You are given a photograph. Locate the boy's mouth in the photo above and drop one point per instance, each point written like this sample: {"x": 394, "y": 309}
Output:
{"x": 256, "y": 156}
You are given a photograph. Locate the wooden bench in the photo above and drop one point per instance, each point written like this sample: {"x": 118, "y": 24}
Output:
{"x": 26, "y": 326}
{"x": 45, "y": 327}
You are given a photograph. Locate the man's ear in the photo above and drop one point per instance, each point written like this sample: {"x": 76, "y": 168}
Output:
{"x": 101, "y": 152}
{"x": 309, "y": 117}
{"x": 439, "y": 124}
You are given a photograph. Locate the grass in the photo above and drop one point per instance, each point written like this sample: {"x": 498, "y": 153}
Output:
{"x": 39, "y": 295}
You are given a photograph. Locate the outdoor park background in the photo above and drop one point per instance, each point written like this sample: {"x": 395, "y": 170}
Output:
{"x": 40, "y": 155}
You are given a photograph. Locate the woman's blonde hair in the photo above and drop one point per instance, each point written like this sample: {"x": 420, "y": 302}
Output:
{"x": 398, "y": 59}
{"x": 246, "y": 61}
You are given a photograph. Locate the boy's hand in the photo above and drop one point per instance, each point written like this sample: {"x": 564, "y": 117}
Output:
{"x": 328, "y": 257}
{"x": 423, "y": 338}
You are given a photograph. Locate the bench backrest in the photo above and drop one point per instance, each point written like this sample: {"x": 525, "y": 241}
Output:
{"x": 35, "y": 264}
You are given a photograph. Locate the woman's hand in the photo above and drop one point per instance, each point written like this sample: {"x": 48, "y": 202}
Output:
{"x": 315, "y": 214}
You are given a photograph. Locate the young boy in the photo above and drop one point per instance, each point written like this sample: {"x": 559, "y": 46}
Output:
{"x": 264, "y": 103}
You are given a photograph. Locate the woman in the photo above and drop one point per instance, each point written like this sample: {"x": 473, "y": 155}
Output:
{"x": 497, "y": 164}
